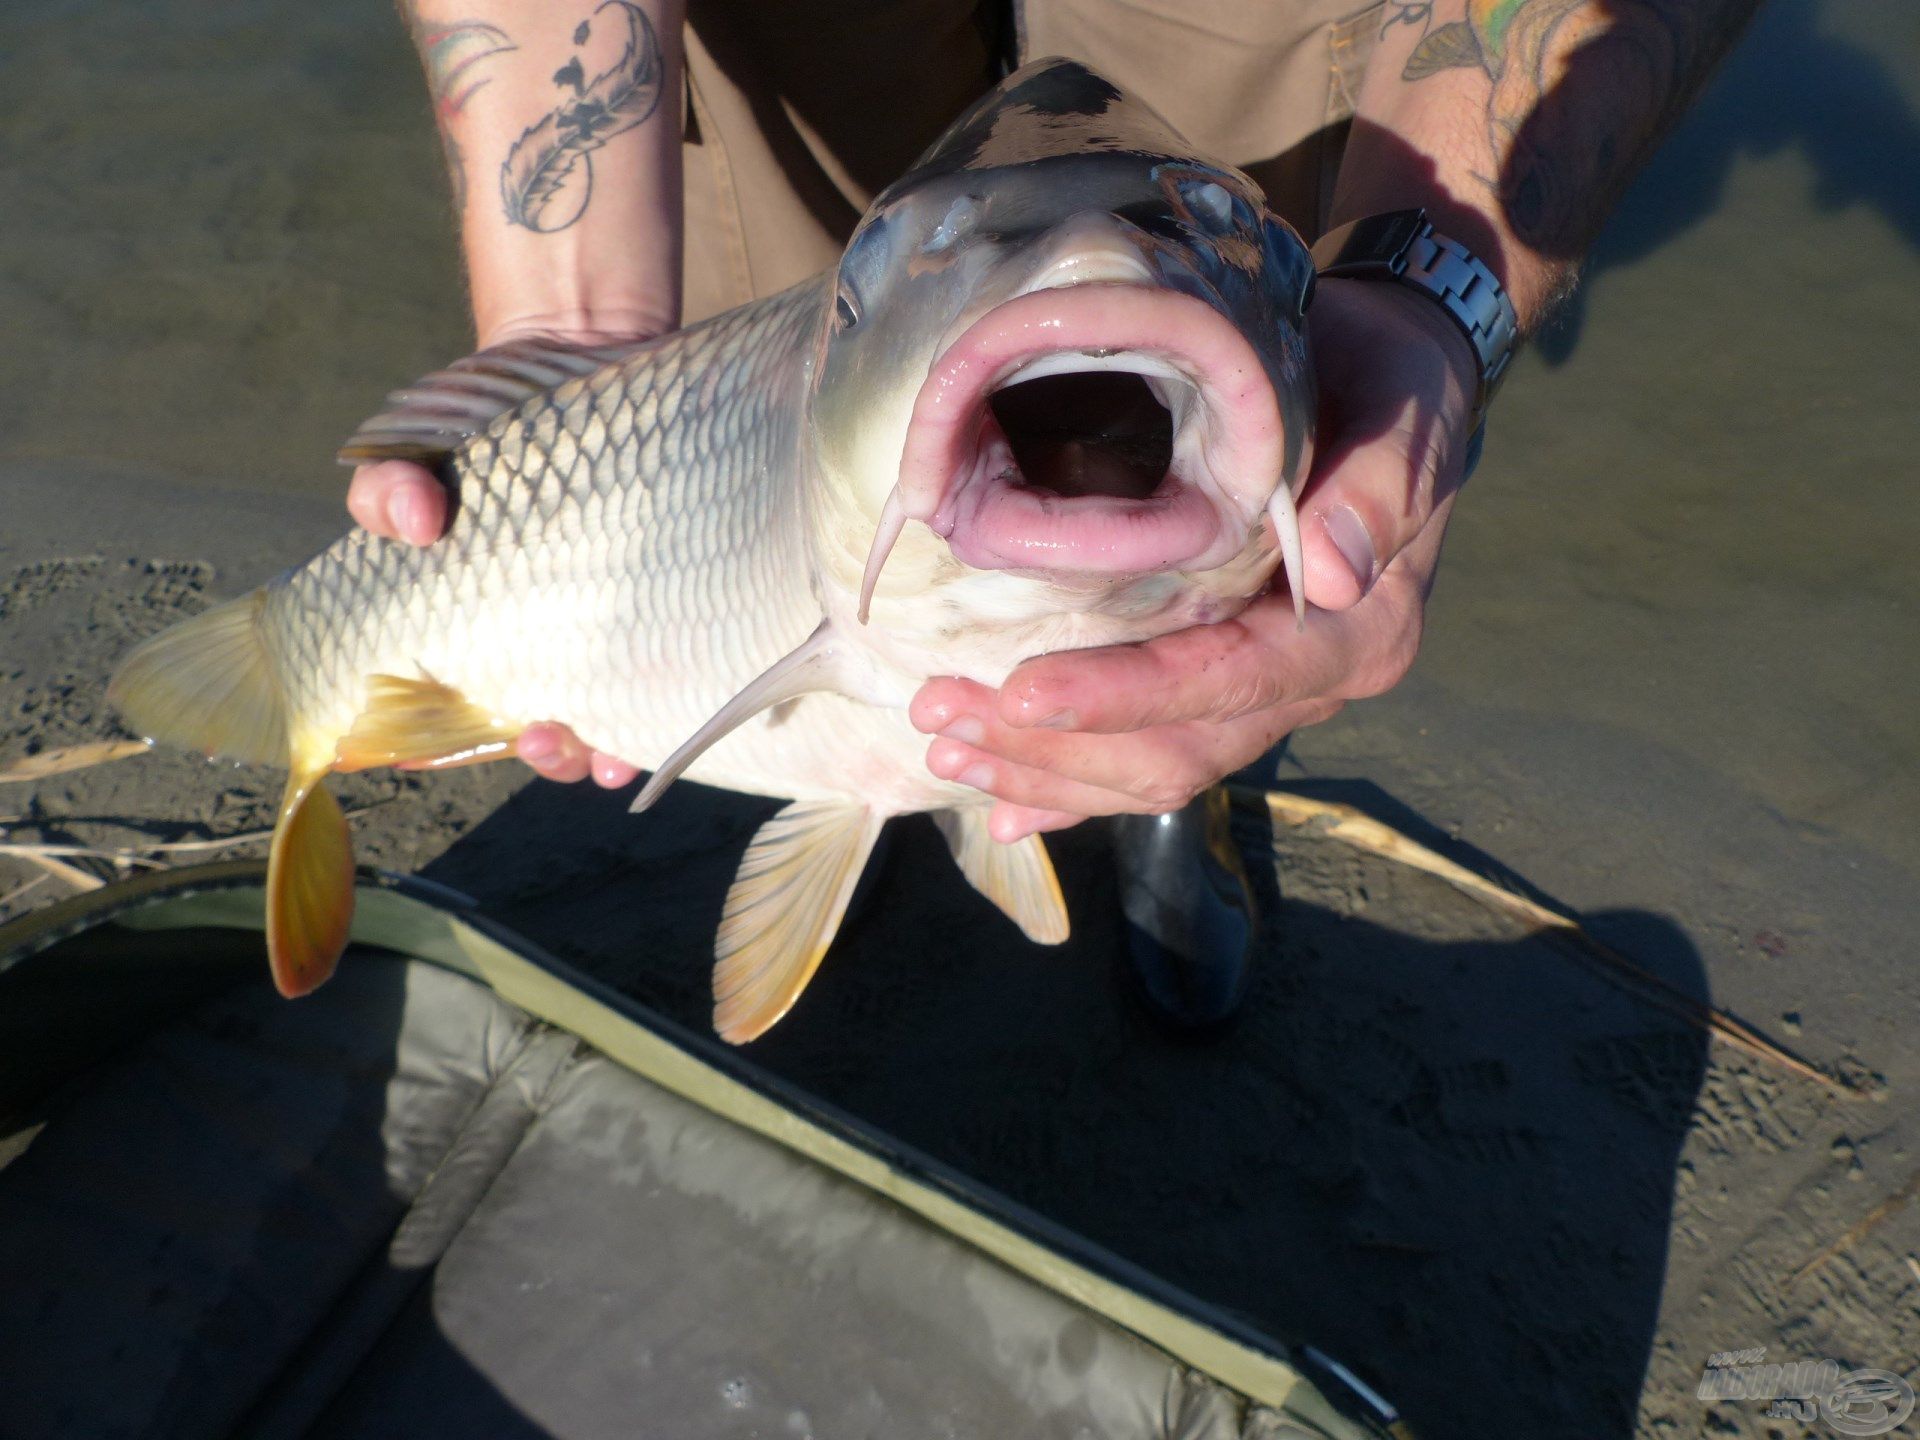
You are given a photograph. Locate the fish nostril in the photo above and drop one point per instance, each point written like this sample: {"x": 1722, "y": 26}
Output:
{"x": 1209, "y": 203}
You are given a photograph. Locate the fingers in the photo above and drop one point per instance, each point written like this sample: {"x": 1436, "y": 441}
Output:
{"x": 1212, "y": 673}
{"x": 1008, "y": 823}
{"x": 1366, "y": 504}
{"x": 1156, "y": 769}
{"x": 555, "y": 753}
{"x": 1397, "y": 387}
{"x": 1045, "y": 775}
{"x": 399, "y": 500}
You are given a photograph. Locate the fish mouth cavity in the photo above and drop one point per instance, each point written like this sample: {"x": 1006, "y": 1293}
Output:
{"x": 1095, "y": 429}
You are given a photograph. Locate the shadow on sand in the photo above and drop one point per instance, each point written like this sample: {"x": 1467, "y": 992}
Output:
{"x": 1787, "y": 85}
{"x": 1431, "y": 1147}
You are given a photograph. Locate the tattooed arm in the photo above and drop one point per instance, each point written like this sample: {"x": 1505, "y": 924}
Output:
{"x": 565, "y": 164}
{"x": 1518, "y": 123}
{"x": 561, "y": 128}
{"x": 565, "y": 168}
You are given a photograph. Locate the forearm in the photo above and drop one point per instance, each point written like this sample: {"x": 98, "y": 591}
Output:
{"x": 1517, "y": 123}
{"x": 561, "y": 124}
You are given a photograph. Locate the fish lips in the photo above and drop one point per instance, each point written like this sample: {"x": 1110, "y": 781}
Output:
{"x": 957, "y": 471}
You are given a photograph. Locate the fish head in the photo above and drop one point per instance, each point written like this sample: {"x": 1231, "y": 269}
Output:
{"x": 1073, "y": 350}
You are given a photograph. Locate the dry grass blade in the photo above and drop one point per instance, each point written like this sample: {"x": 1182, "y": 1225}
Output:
{"x": 42, "y": 853}
{"x": 1861, "y": 1228}
{"x": 64, "y": 758}
{"x": 59, "y": 869}
{"x": 1363, "y": 832}
{"x": 20, "y": 892}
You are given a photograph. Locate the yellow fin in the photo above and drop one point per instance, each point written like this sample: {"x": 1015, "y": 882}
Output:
{"x": 309, "y": 886}
{"x": 1018, "y": 878}
{"x": 207, "y": 684}
{"x": 784, "y": 910}
{"x": 422, "y": 722}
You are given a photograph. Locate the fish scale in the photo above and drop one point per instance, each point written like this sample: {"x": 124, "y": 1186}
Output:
{"x": 550, "y": 527}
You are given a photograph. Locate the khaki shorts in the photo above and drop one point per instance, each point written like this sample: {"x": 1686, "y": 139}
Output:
{"x": 799, "y": 113}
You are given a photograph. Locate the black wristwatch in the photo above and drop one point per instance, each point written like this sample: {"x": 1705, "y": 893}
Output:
{"x": 1402, "y": 245}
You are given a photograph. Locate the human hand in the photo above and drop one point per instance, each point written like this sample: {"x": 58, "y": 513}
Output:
{"x": 404, "y": 501}
{"x": 1144, "y": 728}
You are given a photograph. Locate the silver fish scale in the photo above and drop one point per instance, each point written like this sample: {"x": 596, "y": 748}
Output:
{"x": 627, "y": 553}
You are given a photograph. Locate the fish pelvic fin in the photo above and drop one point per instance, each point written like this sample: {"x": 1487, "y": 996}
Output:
{"x": 309, "y": 885}
{"x": 1018, "y": 878}
{"x": 783, "y": 911}
{"x": 207, "y": 684}
{"x": 425, "y": 724}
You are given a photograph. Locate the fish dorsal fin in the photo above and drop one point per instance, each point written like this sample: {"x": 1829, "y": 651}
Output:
{"x": 1018, "y": 878}
{"x": 422, "y": 722}
{"x": 801, "y": 671}
{"x": 783, "y": 911}
{"x": 309, "y": 885}
{"x": 430, "y": 418}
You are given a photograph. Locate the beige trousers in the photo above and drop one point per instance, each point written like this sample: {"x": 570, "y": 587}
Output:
{"x": 799, "y": 113}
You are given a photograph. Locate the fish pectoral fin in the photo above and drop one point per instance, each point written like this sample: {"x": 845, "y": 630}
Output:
{"x": 422, "y": 722}
{"x": 801, "y": 671}
{"x": 433, "y": 417}
{"x": 1018, "y": 878}
{"x": 783, "y": 911}
{"x": 309, "y": 886}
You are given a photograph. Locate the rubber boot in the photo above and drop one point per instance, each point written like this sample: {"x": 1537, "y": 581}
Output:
{"x": 1190, "y": 918}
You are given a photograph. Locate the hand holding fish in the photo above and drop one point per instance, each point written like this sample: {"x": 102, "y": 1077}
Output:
{"x": 401, "y": 500}
{"x": 1143, "y": 728}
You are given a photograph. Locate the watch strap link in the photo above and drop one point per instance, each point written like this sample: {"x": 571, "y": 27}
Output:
{"x": 1403, "y": 245}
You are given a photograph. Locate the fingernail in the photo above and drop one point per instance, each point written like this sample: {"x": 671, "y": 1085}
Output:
{"x": 1059, "y": 720}
{"x": 967, "y": 729}
{"x": 1349, "y": 535}
{"x": 539, "y": 745}
{"x": 978, "y": 776}
{"x": 403, "y": 512}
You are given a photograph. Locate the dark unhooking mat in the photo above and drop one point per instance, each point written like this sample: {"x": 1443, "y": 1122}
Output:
{"x": 407, "y": 1206}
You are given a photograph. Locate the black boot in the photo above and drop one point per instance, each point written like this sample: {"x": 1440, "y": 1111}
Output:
{"x": 1189, "y": 910}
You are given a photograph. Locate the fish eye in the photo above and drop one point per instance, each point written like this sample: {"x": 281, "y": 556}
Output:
{"x": 846, "y": 314}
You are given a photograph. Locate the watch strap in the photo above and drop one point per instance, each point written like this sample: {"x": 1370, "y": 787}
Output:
{"x": 1403, "y": 245}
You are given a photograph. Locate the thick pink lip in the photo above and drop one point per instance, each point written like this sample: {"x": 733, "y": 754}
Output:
{"x": 955, "y": 466}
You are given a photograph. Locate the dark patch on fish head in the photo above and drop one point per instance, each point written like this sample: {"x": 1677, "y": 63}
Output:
{"x": 1055, "y": 140}
{"x": 1047, "y": 109}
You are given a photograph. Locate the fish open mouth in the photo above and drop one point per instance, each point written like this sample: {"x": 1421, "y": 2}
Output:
{"x": 1096, "y": 429}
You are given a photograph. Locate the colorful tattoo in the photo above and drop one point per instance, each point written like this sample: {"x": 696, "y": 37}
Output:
{"x": 452, "y": 52}
{"x": 1581, "y": 88}
{"x": 547, "y": 180}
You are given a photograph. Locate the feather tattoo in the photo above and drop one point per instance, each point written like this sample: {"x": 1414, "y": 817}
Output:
{"x": 534, "y": 181}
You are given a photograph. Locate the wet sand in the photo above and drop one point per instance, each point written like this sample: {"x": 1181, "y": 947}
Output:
{"x": 1670, "y": 680}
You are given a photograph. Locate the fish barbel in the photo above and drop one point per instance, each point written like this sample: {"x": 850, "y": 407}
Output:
{"x": 1055, "y": 395}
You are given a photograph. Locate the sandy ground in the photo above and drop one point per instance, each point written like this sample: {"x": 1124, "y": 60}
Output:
{"x": 1670, "y": 681}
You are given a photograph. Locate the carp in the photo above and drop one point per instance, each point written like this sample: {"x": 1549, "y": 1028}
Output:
{"x": 1056, "y": 394}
